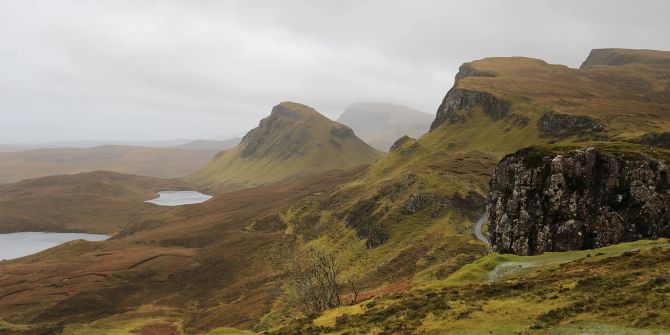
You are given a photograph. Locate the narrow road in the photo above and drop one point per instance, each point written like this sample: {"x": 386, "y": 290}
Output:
{"x": 477, "y": 228}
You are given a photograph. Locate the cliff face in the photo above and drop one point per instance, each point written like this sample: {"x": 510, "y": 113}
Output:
{"x": 457, "y": 104}
{"x": 555, "y": 125}
{"x": 558, "y": 200}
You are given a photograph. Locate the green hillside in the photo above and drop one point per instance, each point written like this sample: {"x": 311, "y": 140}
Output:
{"x": 399, "y": 229}
{"x": 295, "y": 140}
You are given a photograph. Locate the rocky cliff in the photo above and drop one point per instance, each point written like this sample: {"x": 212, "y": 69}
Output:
{"x": 558, "y": 199}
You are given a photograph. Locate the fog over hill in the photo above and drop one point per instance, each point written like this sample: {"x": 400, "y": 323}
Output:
{"x": 381, "y": 124}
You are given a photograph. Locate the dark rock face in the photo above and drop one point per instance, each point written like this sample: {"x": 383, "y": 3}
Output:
{"x": 279, "y": 130}
{"x": 557, "y": 125}
{"x": 656, "y": 139}
{"x": 405, "y": 145}
{"x": 342, "y": 131}
{"x": 586, "y": 198}
{"x": 458, "y": 103}
{"x": 467, "y": 71}
{"x": 364, "y": 217}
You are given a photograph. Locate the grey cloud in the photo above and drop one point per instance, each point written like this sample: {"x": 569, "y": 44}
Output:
{"x": 166, "y": 69}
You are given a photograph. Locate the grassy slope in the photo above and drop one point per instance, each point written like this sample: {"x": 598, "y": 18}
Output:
{"x": 300, "y": 144}
{"x": 155, "y": 162}
{"x": 571, "y": 292}
{"x": 203, "y": 266}
{"x": 243, "y": 240}
{"x": 455, "y": 159}
{"x": 94, "y": 202}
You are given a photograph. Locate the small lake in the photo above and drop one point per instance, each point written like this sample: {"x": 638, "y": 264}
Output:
{"x": 177, "y": 198}
{"x": 15, "y": 245}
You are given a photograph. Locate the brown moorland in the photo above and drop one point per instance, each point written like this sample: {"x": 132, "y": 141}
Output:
{"x": 92, "y": 202}
{"x": 144, "y": 161}
{"x": 406, "y": 218}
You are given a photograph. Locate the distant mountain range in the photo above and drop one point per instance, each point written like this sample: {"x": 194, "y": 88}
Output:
{"x": 207, "y": 144}
{"x": 381, "y": 124}
{"x": 164, "y": 161}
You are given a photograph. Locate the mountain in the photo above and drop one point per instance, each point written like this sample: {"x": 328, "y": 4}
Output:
{"x": 295, "y": 140}
{"x": 380, "y": 124}
{"x": 408, "y": 220}
{"x": 85, "y": 144}
{"x": 154, "y": 162}
{"x": 94, "y": 202}
{"x": 400, "y": 230}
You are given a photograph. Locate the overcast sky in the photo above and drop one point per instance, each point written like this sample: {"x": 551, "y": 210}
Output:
{"x": 148, "y": 70}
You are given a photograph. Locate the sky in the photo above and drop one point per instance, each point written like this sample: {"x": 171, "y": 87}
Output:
{"x": 159, "y": 70}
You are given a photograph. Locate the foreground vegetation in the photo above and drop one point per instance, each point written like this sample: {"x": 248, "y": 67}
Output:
{"x": 570, "y": 292}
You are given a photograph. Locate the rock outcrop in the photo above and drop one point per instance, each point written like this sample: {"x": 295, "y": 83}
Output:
{"x": 466, "y": 70}
{"x": 655, "y": 139}
{"x": 556, "y": 125}
{"x": 457, "y": 104}
{"x": 562, "y": 199}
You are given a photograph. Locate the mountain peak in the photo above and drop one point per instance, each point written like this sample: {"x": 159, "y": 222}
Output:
{"x": 293, "y": 140}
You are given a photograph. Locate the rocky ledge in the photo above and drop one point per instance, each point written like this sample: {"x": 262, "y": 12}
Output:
{"x": 559, "y": 199}
{"x": 458, "y": 103}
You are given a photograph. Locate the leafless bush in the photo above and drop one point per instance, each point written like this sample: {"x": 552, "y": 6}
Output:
{"x": 315, "y": 283}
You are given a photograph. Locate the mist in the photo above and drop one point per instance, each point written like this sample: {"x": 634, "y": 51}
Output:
{"x": 159, "y": 70}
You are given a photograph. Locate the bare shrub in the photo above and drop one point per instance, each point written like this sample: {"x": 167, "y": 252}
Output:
{"x": 315, "y": 283}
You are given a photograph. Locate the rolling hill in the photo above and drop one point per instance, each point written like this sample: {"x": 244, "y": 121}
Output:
{"x": 400, "y": 229}
{"x": 146, "y": 161}
{"x": 94, "y": 202}
{"x": 295, "y": 140}
{"x": 381, "y": 124}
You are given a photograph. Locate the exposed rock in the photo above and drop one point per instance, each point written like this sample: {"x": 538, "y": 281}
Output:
{"x": 364, "y": 218}
{"x": 556, "y": 125}
{"x": 472, "y": 205}
{"x": 342, "y": 131}
{"x": 457, "y": 105}
{"x": 656, "y": 139}
{"x": 405, "y": 145}
{"x": 587, "y": 198}
{"x": 466, "y": 70}
{"x": 421, "y": 200}
{"x": 280, "y": 121}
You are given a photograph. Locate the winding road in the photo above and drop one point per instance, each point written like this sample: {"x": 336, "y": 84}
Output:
{"x": 477, "y": 228}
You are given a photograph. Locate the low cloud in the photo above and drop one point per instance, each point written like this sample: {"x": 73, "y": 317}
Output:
{"x": 167, "y": 69}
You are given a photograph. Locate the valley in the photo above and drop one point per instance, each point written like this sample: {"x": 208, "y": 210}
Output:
{"x": 515, "y": 148}
{"x": 159, "y": 162}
